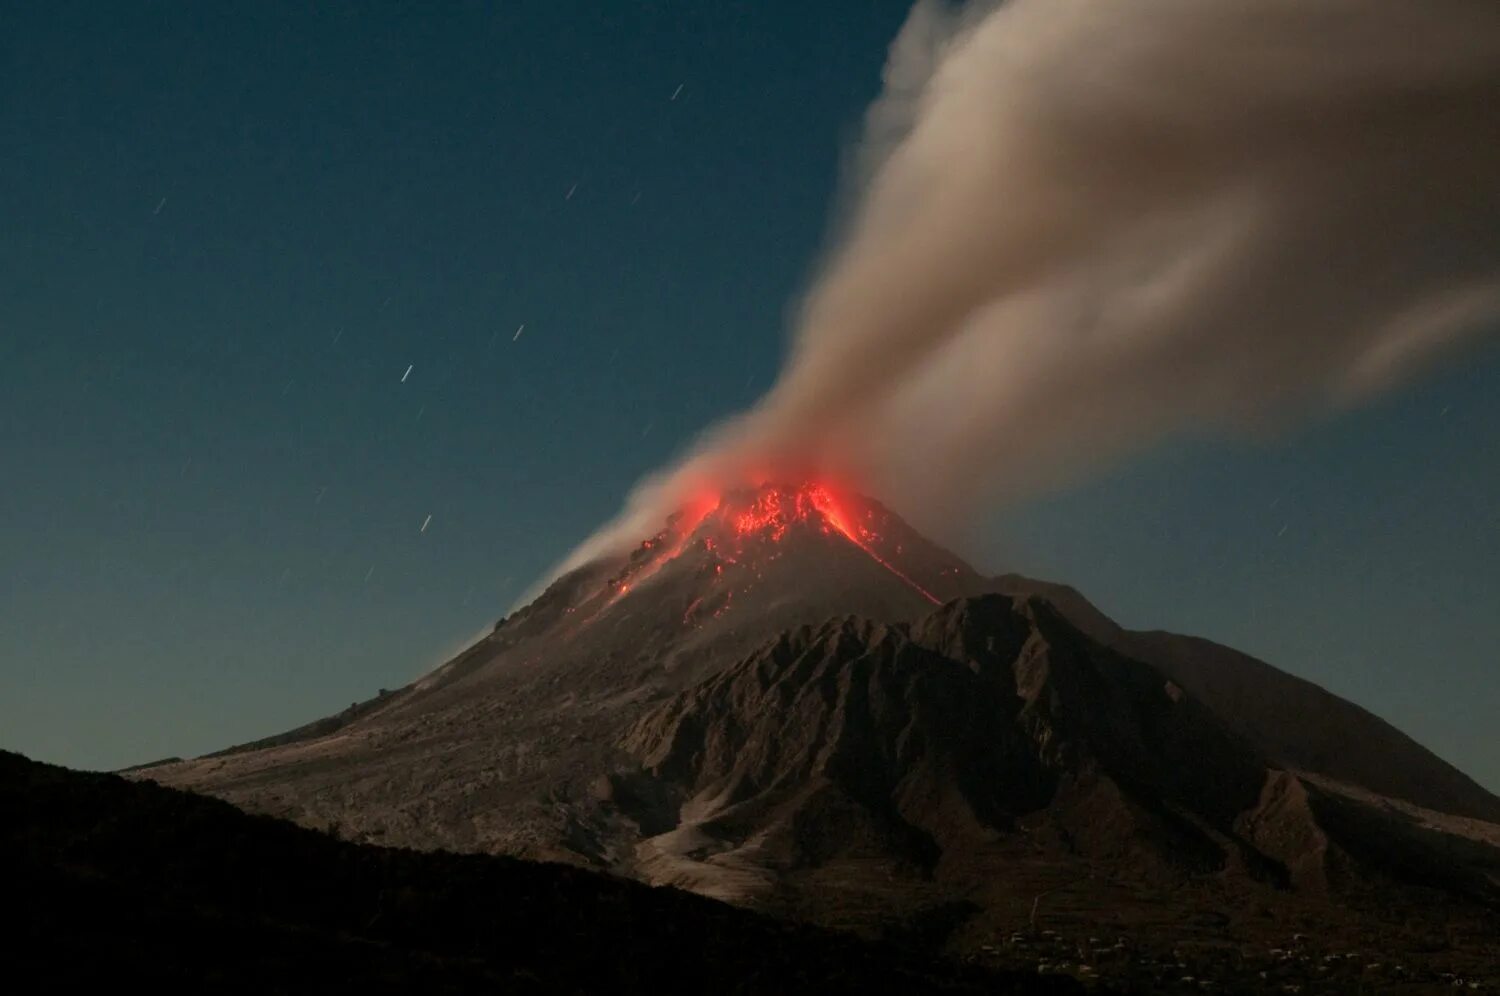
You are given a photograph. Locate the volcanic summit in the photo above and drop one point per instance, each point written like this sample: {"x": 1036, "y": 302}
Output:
{"x": 735, "y": 567}
{"x": 789, "y": 698}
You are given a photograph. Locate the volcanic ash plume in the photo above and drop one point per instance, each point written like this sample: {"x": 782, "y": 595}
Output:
{"x": 1081, "y": 225}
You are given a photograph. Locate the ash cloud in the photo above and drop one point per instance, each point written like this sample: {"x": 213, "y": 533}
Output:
{"x": 1079, "y": 226}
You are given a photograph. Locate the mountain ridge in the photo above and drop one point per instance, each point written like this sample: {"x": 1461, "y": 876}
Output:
{"x": 1221, "y": 676}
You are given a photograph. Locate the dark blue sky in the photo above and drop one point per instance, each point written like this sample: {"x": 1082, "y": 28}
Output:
{"x": 226, "y": 231}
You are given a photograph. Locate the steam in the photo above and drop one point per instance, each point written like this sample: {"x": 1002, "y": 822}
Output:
{"x": 1081, "y": 225}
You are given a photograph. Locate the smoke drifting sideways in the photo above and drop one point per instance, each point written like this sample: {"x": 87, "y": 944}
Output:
{"x": 1079, "y": 226}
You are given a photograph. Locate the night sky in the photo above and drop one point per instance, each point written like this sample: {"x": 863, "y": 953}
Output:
{"x": 269, "y": 440}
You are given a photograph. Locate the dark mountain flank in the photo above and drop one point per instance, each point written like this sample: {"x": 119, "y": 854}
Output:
{"x": 1293, "y": 722}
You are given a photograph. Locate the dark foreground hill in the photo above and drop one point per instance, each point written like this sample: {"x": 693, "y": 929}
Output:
{"x": 126, "y": 884}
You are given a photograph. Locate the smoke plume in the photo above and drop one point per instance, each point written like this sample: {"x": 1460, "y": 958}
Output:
{"x": 1081, "y": 225}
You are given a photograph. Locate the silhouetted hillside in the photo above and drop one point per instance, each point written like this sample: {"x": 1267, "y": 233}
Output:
{"x": 130, "y": 884}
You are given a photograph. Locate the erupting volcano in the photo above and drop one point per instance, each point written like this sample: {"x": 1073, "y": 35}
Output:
{"x": 762, "y": 702}
{"x": 775, "y": 509}
{"x": 753, "y": 550}
{"x": 744, "y": 530}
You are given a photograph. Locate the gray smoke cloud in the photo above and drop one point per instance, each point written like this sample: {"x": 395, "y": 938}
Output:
{"x": 1081, "y": 225}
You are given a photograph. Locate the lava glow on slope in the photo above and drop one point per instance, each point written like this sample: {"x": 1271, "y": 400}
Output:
{"x": 826, "y": 505}
{"x": 741, "y": 523}
{"x": 774, "y": 510}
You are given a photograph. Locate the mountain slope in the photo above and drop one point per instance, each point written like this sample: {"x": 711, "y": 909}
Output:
{"x": 1293, "y": 722}
{"x": 912, "y": 743}
{"x": 944, "y": 735}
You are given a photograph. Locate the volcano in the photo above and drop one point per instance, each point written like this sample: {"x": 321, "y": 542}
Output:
{"x": 728, "y": 570}
{"x": 789, "y": 698}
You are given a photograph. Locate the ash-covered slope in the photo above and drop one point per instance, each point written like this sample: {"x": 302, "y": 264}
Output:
{"x": 915, "y": 741}
{"x": 788, "y": 694}
{"x": 990, "y": 720}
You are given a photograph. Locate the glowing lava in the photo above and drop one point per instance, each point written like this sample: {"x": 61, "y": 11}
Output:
{"x": 774, "y": 510}
{"x": 862, "y": 538}
{"x": 743, "y": 530}
{"x": 656, "y": 552}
